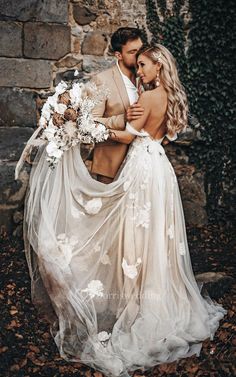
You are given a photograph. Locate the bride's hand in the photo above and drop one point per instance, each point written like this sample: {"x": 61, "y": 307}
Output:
{"x": 134, "y": 112}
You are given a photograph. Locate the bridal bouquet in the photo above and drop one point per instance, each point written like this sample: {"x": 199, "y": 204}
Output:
{"x": 67, "y": 119}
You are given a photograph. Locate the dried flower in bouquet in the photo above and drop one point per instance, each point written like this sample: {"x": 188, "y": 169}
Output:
{"x": 67, "y": 118}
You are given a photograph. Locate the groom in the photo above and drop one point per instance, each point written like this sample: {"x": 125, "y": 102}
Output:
{"x": 120, "y": 105}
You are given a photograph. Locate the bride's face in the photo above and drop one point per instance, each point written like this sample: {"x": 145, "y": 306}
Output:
{"x": 147, "y": 70}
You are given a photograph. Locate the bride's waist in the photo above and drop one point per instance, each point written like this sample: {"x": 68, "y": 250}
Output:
{"x": 148, "y": 144}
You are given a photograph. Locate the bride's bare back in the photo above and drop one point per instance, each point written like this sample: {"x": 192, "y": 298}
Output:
{"x": 154, "y": 103}
{"x": 156, "y": 100}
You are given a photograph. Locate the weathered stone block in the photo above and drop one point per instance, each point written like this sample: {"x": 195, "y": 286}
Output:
{"x": 12, "y": 142}
{"x": 35, "y": 10}
{"x": 67, "y": 76}
{"x": 10, "y": 39}
{"x": 94, "y": 43}
{"x": 12, "y": 194}
{"x": 91, "y": 64}
{"x": 77, "y": 31}
{"x": 46, "y": 41}
{"x": 17, "y": 107}
{"x": 75, "y": 45}
{"x": 83, "y": 15}
{"x": 25, "y": 73}
{"x": 12, "y": 191}
{"x": 69, "y": 62}
{"x": 193, "y": 195}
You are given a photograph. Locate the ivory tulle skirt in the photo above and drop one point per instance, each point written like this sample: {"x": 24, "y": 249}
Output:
{"x": 110, "y": 264}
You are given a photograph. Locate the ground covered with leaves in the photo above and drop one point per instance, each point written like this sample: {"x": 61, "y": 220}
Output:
{"x": 27, "y": 348}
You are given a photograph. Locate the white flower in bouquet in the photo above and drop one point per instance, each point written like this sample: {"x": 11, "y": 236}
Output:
{"x": 46, "y": 111}
{"x": 49, "y": 133}
{"x": 42, "y": 122}
{"x": 67, "y": 120}
{"x": 61, "y": 87}
{"x": 98, "y": 131}
{"x": 75, "y": 95}
{"x": 60, "y": 108}
{"x": 53, "y": 150}
{"x": 70, "y": 128}
{"x": 52, "y": 101}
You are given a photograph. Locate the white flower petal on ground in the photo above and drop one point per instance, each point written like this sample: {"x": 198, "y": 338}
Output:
{"x": 182, "y": 250}
{"x": 103, "y": 336}
{"x": 93, "y": 206}
{"x": 130, "y": 270}
{"x": 94, "y": 288}
{"x": 170, "y": 232}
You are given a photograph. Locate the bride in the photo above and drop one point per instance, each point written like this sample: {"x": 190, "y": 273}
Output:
{"x": 109, "y": 263}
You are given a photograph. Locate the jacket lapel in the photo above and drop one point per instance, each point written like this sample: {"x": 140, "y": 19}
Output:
{"x": 121, "y": 87}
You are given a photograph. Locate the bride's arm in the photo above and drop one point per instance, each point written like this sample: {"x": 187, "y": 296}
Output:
{"x": 124, "y": 136}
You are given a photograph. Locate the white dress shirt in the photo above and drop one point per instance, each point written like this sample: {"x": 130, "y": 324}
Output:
{"x": 131, "y": 89}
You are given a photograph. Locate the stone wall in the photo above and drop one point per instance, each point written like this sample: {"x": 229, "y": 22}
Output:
{"x": 42, "y": 42}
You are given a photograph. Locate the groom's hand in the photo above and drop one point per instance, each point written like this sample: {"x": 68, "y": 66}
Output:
{"x": 134, "y": 111}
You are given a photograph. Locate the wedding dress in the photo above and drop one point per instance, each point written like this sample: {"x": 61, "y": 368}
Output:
{"x": 112, "y": 262}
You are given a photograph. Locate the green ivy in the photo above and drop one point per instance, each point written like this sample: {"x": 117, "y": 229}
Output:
{"x": 206, "y": 69}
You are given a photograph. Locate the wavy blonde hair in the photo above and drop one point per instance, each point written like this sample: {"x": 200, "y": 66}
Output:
{"x": 177, "y": 105}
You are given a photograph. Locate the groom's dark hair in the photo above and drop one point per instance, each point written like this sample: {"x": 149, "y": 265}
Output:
{"x": 122, "y": 36}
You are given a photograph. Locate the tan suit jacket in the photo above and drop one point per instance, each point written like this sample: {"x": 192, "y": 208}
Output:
{"x": 109, "y": 155}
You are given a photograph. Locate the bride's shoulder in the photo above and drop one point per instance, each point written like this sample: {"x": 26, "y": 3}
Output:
{"x": 152, "y": 96}
{"x": 145, "y": 96}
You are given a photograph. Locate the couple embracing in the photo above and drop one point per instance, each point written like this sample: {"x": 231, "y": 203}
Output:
{"x": 107, "y": 250}
{"x": 125, "y": 84}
